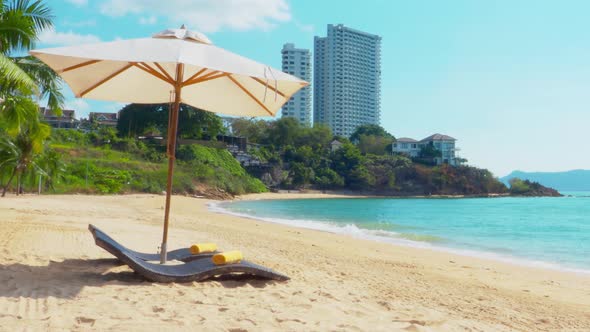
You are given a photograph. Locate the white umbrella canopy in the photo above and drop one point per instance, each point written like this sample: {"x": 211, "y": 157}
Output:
{"x": 144, "y": 71}
{"x": 174, "y": 65}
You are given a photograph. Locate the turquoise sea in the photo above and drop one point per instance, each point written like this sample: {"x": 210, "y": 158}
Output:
{"x": 544, "y": 231}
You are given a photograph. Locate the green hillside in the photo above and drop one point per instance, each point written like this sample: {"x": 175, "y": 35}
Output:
{"x": 126, "y": 166}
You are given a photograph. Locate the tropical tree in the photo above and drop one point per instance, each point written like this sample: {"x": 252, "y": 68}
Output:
{"x": 377, "y": 145}
{"x": 370, "y": 130}
{"x": 254, "y": 130}
{"x": 21, "y": 139}
{"x": 21, "y": 77}
{"x": 19, "y": 152}
{"x": 283, "y": 132}
{"x": 349, "y": 163}
{"x": 21, "y": 22}
{"x": 518, "y": 186}
{"x": 53, "y": 167}
{"x": 326, "y": 178}
{"x": 372, "y": 139}
{"x": 301, "y": 175}
{"x": 141, "y": 119}
{"x": 48, "y": 82}
{"x": 16, "y": 112}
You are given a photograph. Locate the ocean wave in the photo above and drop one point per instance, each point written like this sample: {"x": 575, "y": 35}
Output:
{"x": 331, "y": 227}
{"x": 405, "y": 239}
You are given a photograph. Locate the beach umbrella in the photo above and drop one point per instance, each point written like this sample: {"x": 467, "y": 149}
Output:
{"x": 177, "y": 66}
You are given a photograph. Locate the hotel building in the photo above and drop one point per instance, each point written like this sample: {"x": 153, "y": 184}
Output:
{"x": 347, "y": 79}
{"x": 297, "y": 62}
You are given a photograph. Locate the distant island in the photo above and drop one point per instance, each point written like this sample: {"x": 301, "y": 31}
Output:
{"x": 575, "y": 180}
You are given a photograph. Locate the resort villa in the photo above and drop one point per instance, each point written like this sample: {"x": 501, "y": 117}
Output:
{"x": 411, "y": 147}
{"x": 105, "y": 119}
{"x": 66, "y": 120}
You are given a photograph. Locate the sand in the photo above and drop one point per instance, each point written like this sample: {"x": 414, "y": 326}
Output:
{"x": 53, "y": 277}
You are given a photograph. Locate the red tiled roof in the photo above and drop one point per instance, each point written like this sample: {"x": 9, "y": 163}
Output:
{"x": 438, "y": 137}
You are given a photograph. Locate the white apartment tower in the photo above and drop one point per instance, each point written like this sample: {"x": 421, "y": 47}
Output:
{"x": 297, "y": 62}
{"x": 347, "y": 79}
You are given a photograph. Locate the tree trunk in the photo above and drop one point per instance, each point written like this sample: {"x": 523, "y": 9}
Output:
{"x": 17, "y": 184}
{"x": 8, "y": 183}
{"x": 20, "y": 186}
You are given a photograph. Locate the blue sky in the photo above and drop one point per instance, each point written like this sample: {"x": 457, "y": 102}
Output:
{"x": 509, "y": 79}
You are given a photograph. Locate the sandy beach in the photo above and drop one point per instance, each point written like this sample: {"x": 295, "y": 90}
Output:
{"x": 53, "y": 277}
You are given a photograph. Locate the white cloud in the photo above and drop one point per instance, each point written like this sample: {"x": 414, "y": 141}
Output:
{"x": 54, "y": 38}
{"x": 148, "y": 20}
{"x": 78, "y": 3}
{"x": 80, "y": 24}
{"x": 81, "y": 107}
{"x": 207, "y": 15}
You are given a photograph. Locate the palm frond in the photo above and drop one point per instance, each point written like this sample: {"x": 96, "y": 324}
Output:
{"x": 17, "y": 113}
{"x": 49, "y": 82}
{"x": 21, "y": 22}
{"x": 37, "y": 169}
{"x": 38, "y": 12}
{"x": 38, "y": 133}
{"x": 14, "y": 77}
{"x": 17, "y": 32}
{"x": 9, "y": 153}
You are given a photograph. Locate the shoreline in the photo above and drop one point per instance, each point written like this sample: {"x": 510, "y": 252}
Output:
{"x": 55, "y": 278}
{"x": 465, "y": 252}
{"x": 308, "y": 194}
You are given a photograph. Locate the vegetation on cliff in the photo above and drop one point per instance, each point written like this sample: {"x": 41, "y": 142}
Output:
{"x": 286, "y": 154}
{"x": 520, "y": 187}
{"x": 102, "y": 163}
{"x": 128, "y": 165}
{"x": 297, "y": 157}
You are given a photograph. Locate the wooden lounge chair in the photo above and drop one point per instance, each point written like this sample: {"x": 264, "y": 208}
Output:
{"x": 183, "y": 254}
{"x": 195, "y": 270}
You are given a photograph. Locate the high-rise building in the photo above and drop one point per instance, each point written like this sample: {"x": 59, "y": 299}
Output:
{"x": 347, "y": 79}
{"x": 297, "y": 62}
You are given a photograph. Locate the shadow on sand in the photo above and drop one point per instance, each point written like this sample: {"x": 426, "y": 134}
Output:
{"x": 67, "y": 278}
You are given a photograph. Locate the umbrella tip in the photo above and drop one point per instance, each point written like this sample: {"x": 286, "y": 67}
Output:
{"x": 183, "y": 27}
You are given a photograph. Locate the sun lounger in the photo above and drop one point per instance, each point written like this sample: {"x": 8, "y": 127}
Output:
{"x": 196, "y": 270}
{"x": 182, "y": 254}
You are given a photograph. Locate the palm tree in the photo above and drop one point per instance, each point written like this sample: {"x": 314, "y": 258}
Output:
{"x": 21, "y": 137}
{"x": 21, "y": 22}
{"x": 53, "y": 168}
{"x": 21, "y": 78}
{"x": 18, "y": 158}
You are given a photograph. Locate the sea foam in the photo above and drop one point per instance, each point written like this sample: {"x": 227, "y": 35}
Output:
{"x": 409, "y": 240}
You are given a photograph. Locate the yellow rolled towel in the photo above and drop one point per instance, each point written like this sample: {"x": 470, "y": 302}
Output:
{"x": 200, "y": 248}
{"x": 228, "y": 257}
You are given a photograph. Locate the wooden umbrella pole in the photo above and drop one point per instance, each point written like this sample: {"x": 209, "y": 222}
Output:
{"x": 172, "y": 133}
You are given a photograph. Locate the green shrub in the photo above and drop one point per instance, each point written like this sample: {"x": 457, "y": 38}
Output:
{"x": 69, "y": 137}
{"x": 518, "y": 186}
{"x": 109, "y": 181}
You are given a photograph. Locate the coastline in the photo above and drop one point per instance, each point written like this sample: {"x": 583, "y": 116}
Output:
{"x": 338, "y": 282}
{"x": 369, "y": 235}
{"x": 317, "y": 194}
